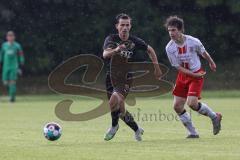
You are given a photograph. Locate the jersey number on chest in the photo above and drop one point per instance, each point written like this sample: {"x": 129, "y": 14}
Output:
{"x": 181, "y": 51}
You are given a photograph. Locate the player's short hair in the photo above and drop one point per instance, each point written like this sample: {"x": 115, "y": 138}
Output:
{"x": 175, "y": 21}
{"x": 10, "y": 33}
{"x": 122, "y": 16}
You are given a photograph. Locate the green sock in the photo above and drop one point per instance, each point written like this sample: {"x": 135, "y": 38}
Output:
{"x": 12, "y": 91}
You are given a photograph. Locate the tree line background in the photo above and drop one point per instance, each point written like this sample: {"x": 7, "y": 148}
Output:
{"x": 52, "y": 31}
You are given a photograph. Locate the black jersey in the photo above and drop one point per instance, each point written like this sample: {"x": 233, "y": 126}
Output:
{"x": 133, "y": 45}
{"x": 117, "y": 66}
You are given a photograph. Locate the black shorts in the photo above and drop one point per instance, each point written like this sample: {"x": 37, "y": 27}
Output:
{"x": 119, "y": 87}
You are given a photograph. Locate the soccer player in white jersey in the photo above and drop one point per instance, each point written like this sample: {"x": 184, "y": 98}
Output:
{"x": 183, "y": 52}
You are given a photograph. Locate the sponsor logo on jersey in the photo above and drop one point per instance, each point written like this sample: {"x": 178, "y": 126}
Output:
{"x": 10, "y": 52}
{"x": 128, "y": 52}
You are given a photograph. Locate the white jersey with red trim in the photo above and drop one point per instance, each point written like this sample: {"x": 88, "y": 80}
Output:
{"x": 186, "y": 55}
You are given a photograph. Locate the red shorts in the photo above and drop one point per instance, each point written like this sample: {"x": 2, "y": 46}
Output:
{"x": 188, "y": 86}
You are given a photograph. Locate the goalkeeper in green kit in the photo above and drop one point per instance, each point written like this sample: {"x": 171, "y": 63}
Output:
{"x": 12, "y": 60}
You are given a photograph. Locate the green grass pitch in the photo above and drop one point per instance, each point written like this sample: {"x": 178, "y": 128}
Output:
{"x": 21, "y": 131}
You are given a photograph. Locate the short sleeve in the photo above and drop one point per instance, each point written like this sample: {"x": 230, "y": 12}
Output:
{"x": 200, "y": 48}
{"x": 141, "y": 44}
{"x": 109, "y": 43}
{"x": 172, "y": 58}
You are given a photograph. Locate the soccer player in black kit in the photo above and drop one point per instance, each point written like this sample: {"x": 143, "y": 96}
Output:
{"x": 119, "y": 49}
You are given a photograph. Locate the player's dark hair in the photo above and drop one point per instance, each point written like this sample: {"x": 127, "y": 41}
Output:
{"x": 122, "y": 16}
{"x": 175, "y": 21}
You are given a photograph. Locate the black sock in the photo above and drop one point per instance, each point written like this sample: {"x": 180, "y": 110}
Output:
{"x": 129, "y": 120}
{"x": 184, "y": 111}
{"x": 199, "y": 106}
{"x": 115, "y": 117}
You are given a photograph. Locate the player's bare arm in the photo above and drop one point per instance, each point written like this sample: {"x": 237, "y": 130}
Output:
{"x": 153, "y": 57}
{"x": 211, "y": 63}
{"x": 107, "y": 53}
{"x": 190, "y": 73}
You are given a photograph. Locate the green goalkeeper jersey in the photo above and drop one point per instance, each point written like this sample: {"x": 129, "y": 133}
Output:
{"x": 11, "y": 55}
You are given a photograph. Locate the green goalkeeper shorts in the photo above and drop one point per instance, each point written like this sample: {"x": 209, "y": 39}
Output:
{"x": 9, "y": 74}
